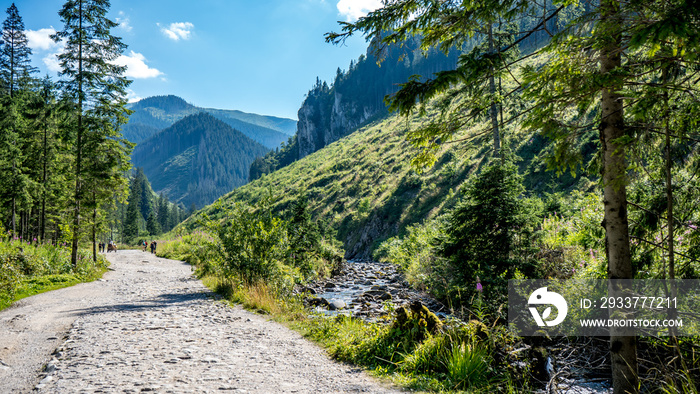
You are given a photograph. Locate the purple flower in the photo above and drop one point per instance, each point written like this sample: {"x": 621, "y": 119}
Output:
{"x": 479, "y": 287}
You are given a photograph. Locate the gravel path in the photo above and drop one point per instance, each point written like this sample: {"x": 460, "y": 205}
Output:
{"x": 149, "y": 326}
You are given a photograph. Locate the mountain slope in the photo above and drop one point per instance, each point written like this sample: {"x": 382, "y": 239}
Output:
{"x": 197, "y": 159}
{"x": 159, "y": 112}
{"x": 364, "y": 186}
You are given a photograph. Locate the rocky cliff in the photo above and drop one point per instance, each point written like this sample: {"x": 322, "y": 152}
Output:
{"x": 357, "y": 95}
{"x": 321, "y": 124}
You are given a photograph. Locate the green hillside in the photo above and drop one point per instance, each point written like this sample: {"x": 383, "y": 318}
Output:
{"x": 197, "y": 159}
{"x": 365, "y": 187}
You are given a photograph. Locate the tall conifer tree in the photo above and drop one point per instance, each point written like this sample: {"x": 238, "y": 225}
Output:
{"x": 15, "y": 74}
{"x": 91, "y": 79}
{"x": 15, "y": 65}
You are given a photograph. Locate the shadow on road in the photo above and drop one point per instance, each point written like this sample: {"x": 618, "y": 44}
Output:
{"x": 161, "y": 301}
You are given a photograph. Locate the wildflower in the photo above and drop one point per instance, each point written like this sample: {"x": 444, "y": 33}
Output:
{"x": 479, "y": 287}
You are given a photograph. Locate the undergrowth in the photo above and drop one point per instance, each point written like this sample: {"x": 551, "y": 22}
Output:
{"x": 29, "y": 268}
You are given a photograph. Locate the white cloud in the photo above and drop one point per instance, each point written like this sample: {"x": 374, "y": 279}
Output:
{"x": 353, "y": 10}
{"x": 136, "y": 66}
{"x": 178, "y": 31}
{"x": 123, "y": 22}
{"x": 41, "y": 44}
{"x": 51, "y": 62}
{"x": 132, "y": 97}
{"x": 39, "y": 40}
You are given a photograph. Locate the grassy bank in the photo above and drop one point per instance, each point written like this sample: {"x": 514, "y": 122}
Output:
{"x": 29, "y": 268}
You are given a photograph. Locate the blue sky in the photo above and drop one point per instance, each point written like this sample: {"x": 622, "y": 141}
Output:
{"x": 257, "y": 56}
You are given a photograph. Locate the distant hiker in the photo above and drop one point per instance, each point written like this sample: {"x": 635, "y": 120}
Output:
{"x": 145, "y": 245}
{"x": 153, "y": 247}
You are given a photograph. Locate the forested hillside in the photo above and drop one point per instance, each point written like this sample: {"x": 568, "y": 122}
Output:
{"x": 153, "y": 114}
{"x": 197, "y": 159}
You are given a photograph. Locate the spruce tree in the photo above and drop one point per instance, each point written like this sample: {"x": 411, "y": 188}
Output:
{"x": 15, "y": 75}
{"x": 152, "y": 225}
{"x": 15, "y": 64}
{"x": 133, "y": 214}
{"x": 91, "y": 79}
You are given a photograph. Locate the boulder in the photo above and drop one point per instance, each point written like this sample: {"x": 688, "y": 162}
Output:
{"x": 335, "y": 305}
{"x": 317, "y": 301}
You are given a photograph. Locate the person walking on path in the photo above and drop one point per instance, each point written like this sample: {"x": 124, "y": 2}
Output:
{"x": 153, "y": 247}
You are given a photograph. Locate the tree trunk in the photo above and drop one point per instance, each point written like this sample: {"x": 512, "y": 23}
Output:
{"x": 14, "y": 207}
{"x": 94, "y": 232}
{"x": 623, "y": 345}
{"x": 79, "y": 148}
{"x": 673, "y": 291}
{"x": 494, "y": 110}
{"x": 42, "y": 230}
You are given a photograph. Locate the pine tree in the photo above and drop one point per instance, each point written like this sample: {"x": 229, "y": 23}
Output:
{"x": 15, "y": 75}
{"x": 146, "y": 199}
{"x": 92, "y": 79}
{"x": 15, "y": 64}
{"x": 133, "y": 214}
{"x": 152, "y": 224}
{"x": 163, "y": 212}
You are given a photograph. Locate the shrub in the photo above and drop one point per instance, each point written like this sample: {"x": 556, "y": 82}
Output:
{"x": 487, "y": 235}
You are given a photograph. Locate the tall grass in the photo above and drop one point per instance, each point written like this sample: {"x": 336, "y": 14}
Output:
{"x": 467, "y": 365}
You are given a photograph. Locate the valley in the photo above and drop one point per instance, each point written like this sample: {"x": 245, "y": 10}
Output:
{"x": 440, "y": 213}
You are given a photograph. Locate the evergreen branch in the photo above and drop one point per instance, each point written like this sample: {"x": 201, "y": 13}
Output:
{"x": 664, "y": 248}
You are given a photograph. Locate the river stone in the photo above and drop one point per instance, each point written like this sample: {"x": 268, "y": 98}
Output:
{"x": 336, "y": 304}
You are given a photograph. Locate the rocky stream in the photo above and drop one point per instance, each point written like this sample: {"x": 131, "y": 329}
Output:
{"x": 369, "y": 290}
{"x": 364, "y": 289}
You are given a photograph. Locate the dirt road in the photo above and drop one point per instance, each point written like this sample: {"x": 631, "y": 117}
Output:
{"x": 149, "y": 326}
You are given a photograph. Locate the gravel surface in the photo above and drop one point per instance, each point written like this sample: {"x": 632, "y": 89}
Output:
{"x": 149, "y": 326}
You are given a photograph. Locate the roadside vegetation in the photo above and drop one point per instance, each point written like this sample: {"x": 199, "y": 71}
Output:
{"x": 30, "y": 267}
{"x": 246, "y": 255}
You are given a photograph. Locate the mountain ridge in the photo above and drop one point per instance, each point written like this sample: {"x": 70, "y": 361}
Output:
{"x": 160, "y": 112}
{"x": 197, "y": 159}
